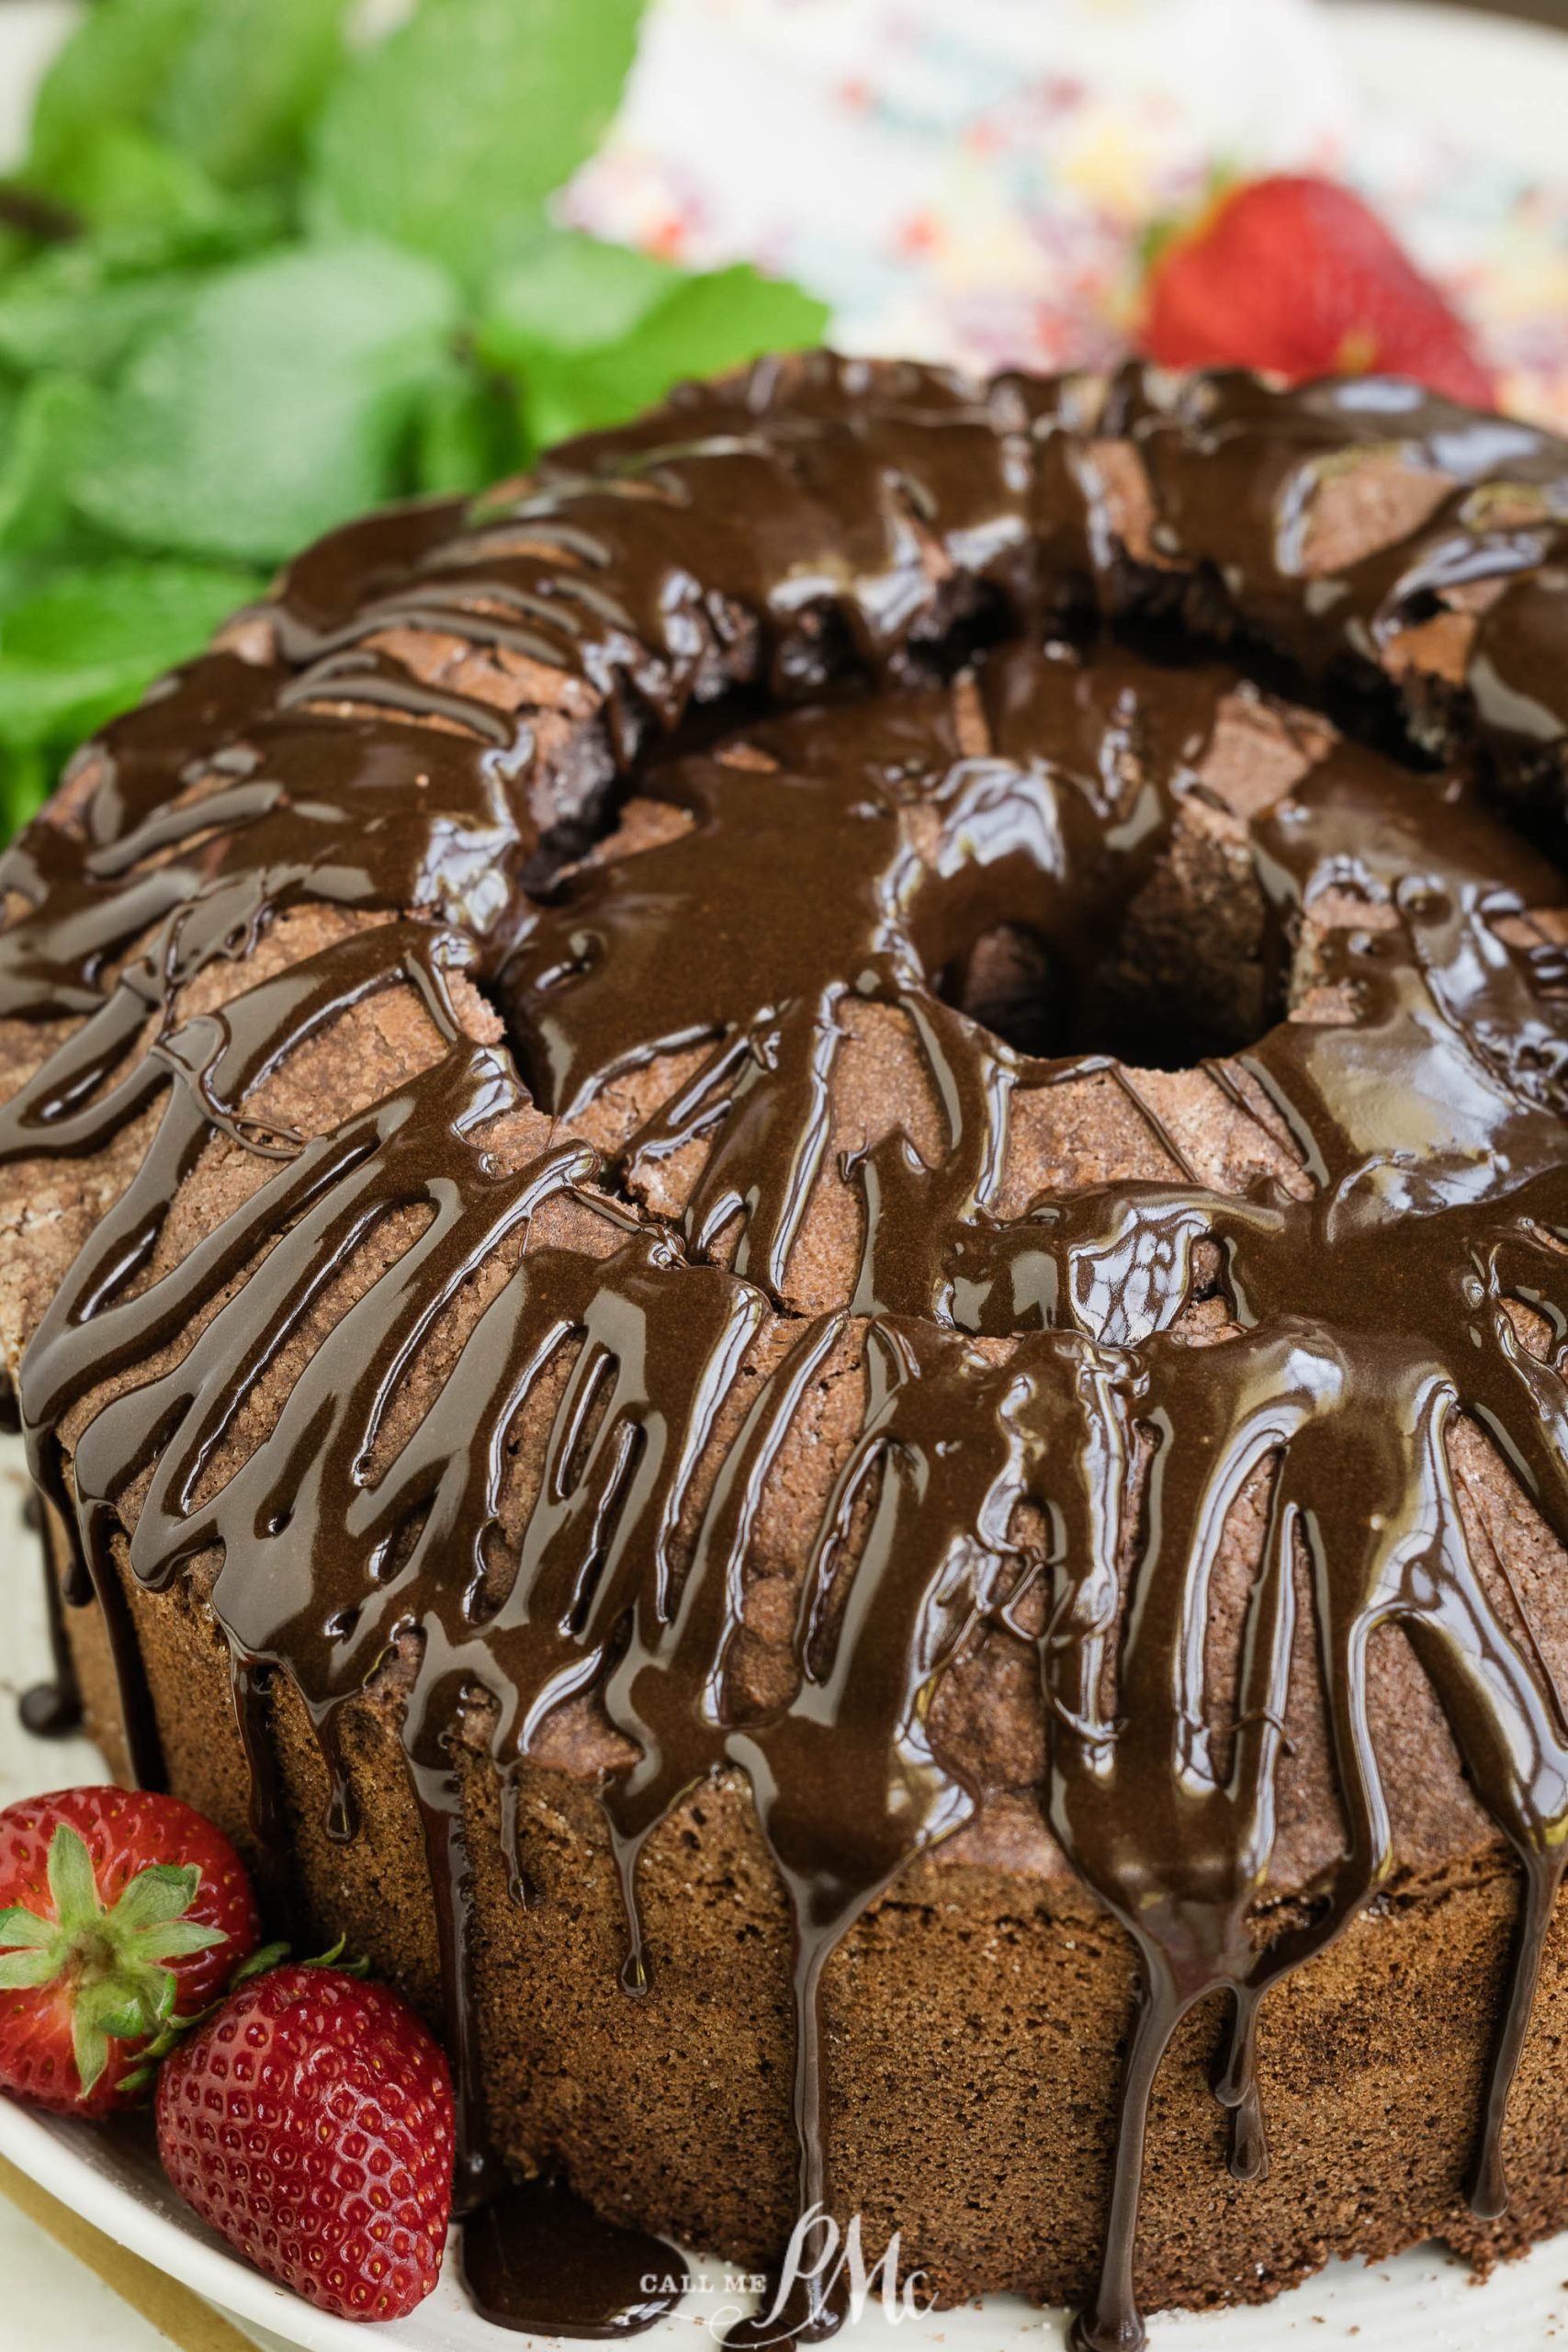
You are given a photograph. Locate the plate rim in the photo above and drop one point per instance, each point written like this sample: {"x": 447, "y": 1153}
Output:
{"x": 43, "y": 2150}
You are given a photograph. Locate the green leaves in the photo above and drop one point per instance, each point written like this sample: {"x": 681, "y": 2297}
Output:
{"x": 226, "y": 85}
{"x": 663, "y": 327}
{"x": 269, "y": 64}
{"x": 308, "y": 278}
{"x": 567, "y": 292}
{"x": 46, "y": 439}
{"x": 449, "y": 136}
{"x": 73, "y": 1888}
{"x": 107, "y": 76}
{"x": 90, "y": 637}
{"x": 271, "y": 406}
{"x": 24, "y": 1929}
{"x": 22, "y": 1972}
{"x": 77, "y": 307}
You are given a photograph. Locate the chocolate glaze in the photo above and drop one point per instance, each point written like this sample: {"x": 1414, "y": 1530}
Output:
{"x": 815, "y": 527}
{"x": 51, "y": 1710}
{"x": 537, "y": 2258}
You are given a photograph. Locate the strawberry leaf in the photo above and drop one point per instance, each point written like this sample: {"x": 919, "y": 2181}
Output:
{"x": 90, "y": 2046}
{"x": 124, "y": 2024}
{"x": 178, "y": 1938}
{"x": 265, "y": 1956}
{"x": 72, "y": 1884}
{"x": 21, "y": 1970}
{"x": 18, "y": 1926}
{"x": 161, "y": 1893}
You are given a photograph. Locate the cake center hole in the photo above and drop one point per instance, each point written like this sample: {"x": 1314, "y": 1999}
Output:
{"x": 1155, "y": 998}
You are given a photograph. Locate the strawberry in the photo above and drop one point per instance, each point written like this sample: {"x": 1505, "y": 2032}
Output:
{"x": 1297, "y": 277}
{"x": 310, "y": 2122}
{"x": 120, "y": 1916}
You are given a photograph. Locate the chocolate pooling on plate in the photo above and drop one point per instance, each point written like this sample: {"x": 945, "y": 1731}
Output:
{"x": 837, "y": 691}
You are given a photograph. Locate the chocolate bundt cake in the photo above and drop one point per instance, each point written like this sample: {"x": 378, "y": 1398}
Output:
{"x": 785, "y": 1247}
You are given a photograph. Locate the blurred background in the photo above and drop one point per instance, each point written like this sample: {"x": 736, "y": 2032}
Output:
{"x": 265, "y": 262}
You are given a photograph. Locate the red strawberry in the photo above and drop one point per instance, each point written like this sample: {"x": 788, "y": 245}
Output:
{"x": 119, "y": 1913}
{"x": 1296, "y": 275}
{"x": 311, "y": 2124}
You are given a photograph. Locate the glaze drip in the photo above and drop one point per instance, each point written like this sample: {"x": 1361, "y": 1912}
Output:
{"x": 447, "y": 742}
{"x": 539, "y": 2260}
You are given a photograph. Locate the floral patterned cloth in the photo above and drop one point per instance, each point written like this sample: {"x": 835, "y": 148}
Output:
{"x": 974, "y": 179}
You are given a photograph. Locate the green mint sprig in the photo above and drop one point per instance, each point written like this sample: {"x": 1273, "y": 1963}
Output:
{"x": 254, "y": 279}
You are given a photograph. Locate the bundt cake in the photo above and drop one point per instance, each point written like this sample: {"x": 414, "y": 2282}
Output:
{"x": 785, "y": 1247}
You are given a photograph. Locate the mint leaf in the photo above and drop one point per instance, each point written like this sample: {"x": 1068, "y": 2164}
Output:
{"x": 110, "y": 73}
{"x": 15, "y": 241}
{"x": 86, "y": 642}
{"x": 450, "y": 134}
{"x": 720, "y": 320}
{"x": 274, "y": 404}
{"x": 157, "y": 204}
{"x": 567, "y": 292}
{"x": 127, "y": 178}
{"x": 247, "y": 80}
{"x": 77, "y": 309}
{"x": 229, "y": 83}
{"x": 706, "y": 325}
{"x": 465, "y": 433}
{"x": 44, "y": 440}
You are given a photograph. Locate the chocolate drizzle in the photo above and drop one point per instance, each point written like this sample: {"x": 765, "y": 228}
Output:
{"x": 52, "y": 1709}
{"x": 539, "y": 2259}
{"x": 436, "y": 718}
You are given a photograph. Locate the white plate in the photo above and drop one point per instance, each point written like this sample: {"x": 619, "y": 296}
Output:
{"x": 1495, "y": 82}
